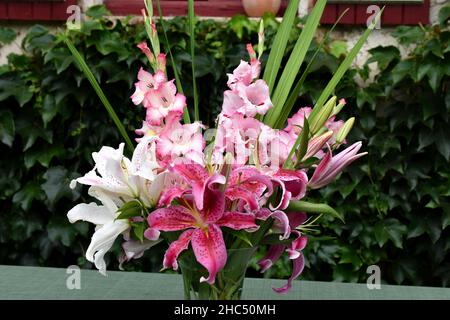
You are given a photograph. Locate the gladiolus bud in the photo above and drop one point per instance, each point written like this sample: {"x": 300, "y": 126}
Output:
{"x": 261, "y": 39}
{"x": 161, "y": 62}
{"x": 344, "y": 131}
{"x": 322, "y": 116}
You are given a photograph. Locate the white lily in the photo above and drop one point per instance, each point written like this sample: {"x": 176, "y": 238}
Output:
{"x": 114, "y": 181}
{"x": 106, "y": 231}
{"x": 119, "y": 178}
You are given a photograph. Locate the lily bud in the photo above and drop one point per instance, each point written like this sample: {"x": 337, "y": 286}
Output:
{"x": 322, "y": 116}
{"x": 344, "y": 131}
{"x": 339, "y": 107}
{"x": 316, "y": 144}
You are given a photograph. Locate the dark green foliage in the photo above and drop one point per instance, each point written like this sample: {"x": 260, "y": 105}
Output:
{"x": 395, "y": 200}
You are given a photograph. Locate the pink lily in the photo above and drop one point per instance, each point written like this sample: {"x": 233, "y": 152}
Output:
{"x": 203, "y": 228}
{"x": 147, "y": 82}
{"x": 330, "y": 166}
{"x": 161, "y": 102}
{"x": 294, "y": 250}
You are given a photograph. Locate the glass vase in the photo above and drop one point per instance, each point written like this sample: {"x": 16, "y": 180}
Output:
{"x": 229, "y": 281}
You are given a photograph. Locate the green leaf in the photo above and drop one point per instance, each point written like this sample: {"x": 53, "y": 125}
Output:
{"x": 7, "y": 35}
{"x": 98, "y": 12}
{"x": 130, "y": 209}
{"x": 279, "y": 44}
{"x": 343, "y": 68}
{"x": 296, "y": 91}
{"x": 293, "y": 65}
{"x": 16, "y": 88}
{"x": 49, "y": 109}
{"x": 191, "y": 15}
{"x": 88, "y": 73}
{"x": 43, "y": 156}
{"x": 25, "y": 196}
{"x": 56, "y": 185}
{"x": 304, "y": 206}
{"x": 444, "y": 15}
{"x": 186, "y": 116}
{"x": 384, "y": 56}
{"x": 7, "y": 127}
{"x": 242, "y": 236}
{"x": 338, "y": 48}
{"x": 138, "y": 230}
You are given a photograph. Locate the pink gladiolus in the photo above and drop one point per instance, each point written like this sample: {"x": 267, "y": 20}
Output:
{"x": 330, "y": 166}
{"x": 161, "y": 102}
{"x": 202, "y": 228}
{"x": 295, "y": 123}
{"x": 147, "y": 82}
{"x": 181, "y": 141}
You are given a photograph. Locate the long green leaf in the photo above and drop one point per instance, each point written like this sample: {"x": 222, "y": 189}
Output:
{"x": 304, "y": 206}
{"x": 294, "y": 63}
{"x": 279, "y": 44}
{"x": 302, "y": 141}
{"x": 191, "y": 15}
{"x": 343, "y": 67}
{"x": 186, "y": 117}
{"x": 296, "y": 91}
{"x": 88, "y": 73}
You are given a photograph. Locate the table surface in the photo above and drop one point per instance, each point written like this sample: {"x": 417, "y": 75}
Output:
{"x": 18, "y": 282}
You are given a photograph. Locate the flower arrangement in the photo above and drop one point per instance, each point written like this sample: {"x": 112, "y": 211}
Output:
{"x": 216, "y": 195}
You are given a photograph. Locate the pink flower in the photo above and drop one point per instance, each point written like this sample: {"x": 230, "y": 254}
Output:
{"x": 294, "y": 250}
{"x": 295, "y": 123}
{"x": 178, "y": 140}
{"x": 202, "y": 228}
{"x": 161, "y": 102}
{"x": 330, "y": 166}
{"x": 246, "y": 72}
{"x": 146, "y": 50}
{"x": 146, "y": 83}
{"x": 256, "y": 98}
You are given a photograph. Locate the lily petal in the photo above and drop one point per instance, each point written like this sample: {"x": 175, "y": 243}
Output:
{"x": 175, "y": 248}
{"x": 102, "y": 240}
{"x": 271, "y": 257}
{"x": 297, "y": 269}
{"x": 210, "y": 252}
{"x": 237, "y": 220}
{"x": 172, "y": 218}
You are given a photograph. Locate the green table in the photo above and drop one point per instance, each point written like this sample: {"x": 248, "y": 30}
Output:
{"x": 50, "y": 283}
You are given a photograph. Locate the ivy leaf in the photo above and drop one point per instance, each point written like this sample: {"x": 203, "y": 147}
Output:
{"x": 7, "y": 35}
{"x": 43, "y": 156}
{"x": 16, "y": 88}
{"x": 25, "y": 196}
{"x": 59, "y": 229}
{"x": 57, "y": 185}
{"x": 384, "y": 56}
{"x": 338, "y": 48}
{"x": 49, "y": 109}
{"x": 98, "y": 12}
{"x": 7, "y": 127}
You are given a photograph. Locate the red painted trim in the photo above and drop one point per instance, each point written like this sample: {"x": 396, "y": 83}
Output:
{"x": 42, "y": 12}
{"x": 20, "y": 11}
{"x": 329, "y": 14}
{"x": 392, "y": 14}
{"x": 35, "y": 11}
{"x": 3, "y": 11}
{"x": 211, "y": 8}
{"x": 399, "y": 14}
{"x": 414, "y": 14}
{"x": 349, "y": 17}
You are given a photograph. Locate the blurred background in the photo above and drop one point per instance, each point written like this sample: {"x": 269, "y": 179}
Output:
{"x": 396, "y": 200}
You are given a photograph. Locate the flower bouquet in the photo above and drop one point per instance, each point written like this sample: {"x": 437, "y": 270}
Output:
{"x": 218, "y": 195}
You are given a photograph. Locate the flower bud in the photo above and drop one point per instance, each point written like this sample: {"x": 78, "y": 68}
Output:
{"x": 345, "y": 129}
{"x": 322, "y": 116}
{"x": 339, "y": 107}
